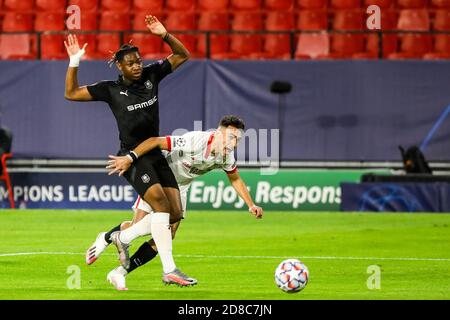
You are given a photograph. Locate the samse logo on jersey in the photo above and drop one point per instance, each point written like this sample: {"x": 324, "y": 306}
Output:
{"x": 142, "y": 105}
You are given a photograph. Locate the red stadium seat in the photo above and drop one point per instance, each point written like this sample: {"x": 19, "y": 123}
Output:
{"x": 345, "y": 4}
{"x": 413, "y": 46}
{"x": 247, "y": 21}
{"x": 245, "y": 4}
{"x": 148, "y": 7}
{"x": 383, "y": 4}
{"x": 347, "y": 44}
{"x": 311, "y": 4}
{"x": 219, "y": 43}
{"x": 278, "y": 4}
{"x": 416, "y": 20}
{"x": 441, "y": 48}
{"x": 180, "y": 21}
{"x": 85, "y": 5}
{"x": 312, "y": 20}
{"x": 138, "y": 22}
{"x": 180, "y": 5}
{"x": 442, "y": 20}
{"x": 114, "y": 21}
{"x": 442, "y": 43}
{"x": 280, "y": 20}
{"x": 312, "y": 46}
{"x": 116, "y": 5}
{"x": 364, "y": 55}
{"x": 348, "y": 20}
{"x": 213, "y": 5}
{"x": 89, "y": 21}
{"x": 188, "y": 40}
{"x": 214, "y": 21}
{"x": 412, "y": 4}
{"x": 246, "y": 44}
{"x": 52, "y": 47}
{"x": 389, "y": 20}
{"x": 15, "y": 21}
{"x": 49, "y": 21}
{"x": 15, "y": 46}
{"x": 24, "y": 6}
{"x": 436, "y": 56}
{"x": 107, "y": 43}
{"x": 277, "y": 46}
{"x": 91, "y": 40}
{"x": 440, "y": 3}
{"x": 51, "y": 5}
{"x": 149, "y": 45}
{"x": 389, "y": 44}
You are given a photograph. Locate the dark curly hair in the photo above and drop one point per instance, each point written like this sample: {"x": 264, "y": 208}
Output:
{"x": 122, "y": 52}
{"x": 234, "y": 121}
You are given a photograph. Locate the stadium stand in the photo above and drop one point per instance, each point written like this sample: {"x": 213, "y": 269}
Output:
{"x": 219, "y": 43}
{"x": 155, "y": 6}
{"x": 236, "y": 29}
{"x": 213, "y": 5}
{"x": 383, "y": 4}
{"x": 312, "y": 4}
{"x": 86, "y": 5}
{"x": 278, "y": 5}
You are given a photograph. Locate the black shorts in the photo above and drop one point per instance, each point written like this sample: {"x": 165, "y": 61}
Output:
{"x": 148, "y": 170}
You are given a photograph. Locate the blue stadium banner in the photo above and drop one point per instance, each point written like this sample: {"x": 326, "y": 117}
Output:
{"x": 288, "y": 189}
{"x": 396, "y": 197}
{"x": 69, "y": 190}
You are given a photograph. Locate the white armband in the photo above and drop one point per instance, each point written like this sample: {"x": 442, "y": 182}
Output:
{"x": 75, "y": 59}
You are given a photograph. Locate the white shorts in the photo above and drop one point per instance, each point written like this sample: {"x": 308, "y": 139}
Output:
{"x": 142, "y": 205}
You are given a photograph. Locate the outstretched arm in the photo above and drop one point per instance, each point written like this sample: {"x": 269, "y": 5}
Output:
{"x": 122, "y": 164}
{"x": 73, "y": 90}
{"x": 180, "y": 53}
{"x": 241, "y": 188}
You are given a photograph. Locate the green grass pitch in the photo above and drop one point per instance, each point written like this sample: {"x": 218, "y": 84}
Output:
{"x": 232, "y": 255}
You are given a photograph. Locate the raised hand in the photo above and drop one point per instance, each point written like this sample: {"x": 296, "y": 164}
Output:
{"x": 155, "y": 26}
{"x": 72, "y": 46}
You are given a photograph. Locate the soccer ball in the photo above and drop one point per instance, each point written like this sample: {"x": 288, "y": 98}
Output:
{"x": 291, "y": 276}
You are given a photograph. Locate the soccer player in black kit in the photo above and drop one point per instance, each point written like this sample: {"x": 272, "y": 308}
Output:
{"x": 133, "y": 99}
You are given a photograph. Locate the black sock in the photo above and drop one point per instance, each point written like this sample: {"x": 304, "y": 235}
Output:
{"x": 144, "y": 254}
{"x": 108, "y": 234}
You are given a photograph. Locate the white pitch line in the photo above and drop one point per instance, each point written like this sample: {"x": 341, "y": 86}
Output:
{"x": 14, "y": 254}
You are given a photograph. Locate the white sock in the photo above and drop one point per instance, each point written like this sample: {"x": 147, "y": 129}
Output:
{"x": 141, "y": 228}
{"x": 162, "y": 235}
{"x": 122, "y": 271}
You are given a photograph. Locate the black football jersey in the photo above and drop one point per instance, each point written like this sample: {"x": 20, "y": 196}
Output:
{"x": 135, "y": 106}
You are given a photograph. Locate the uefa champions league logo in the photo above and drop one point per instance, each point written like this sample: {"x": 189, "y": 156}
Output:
{"x": 387, "y": 197}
